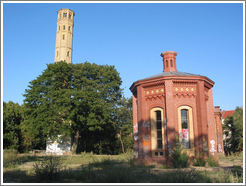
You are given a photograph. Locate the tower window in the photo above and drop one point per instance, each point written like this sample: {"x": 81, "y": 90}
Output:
{"x": 166, "y": 63}
{"x": 63, "y": 36}
{"x": 59, "y": 27}
{"x": 171, "y": 63}
{"x": 70, "y": 16}
{"x": 69, "y": 28}
{"x": 64, "y": 27}
{"x": 68, "y": 53}
{"x": 64, "y": 14}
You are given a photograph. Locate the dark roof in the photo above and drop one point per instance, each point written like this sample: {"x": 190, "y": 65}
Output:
{"x": 171, "y": 73}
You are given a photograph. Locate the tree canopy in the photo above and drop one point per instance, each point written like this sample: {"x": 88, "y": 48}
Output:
{"x": 12, "y": 118}
{"x": 73, "y": 100}
{"x": 233, "y": 130}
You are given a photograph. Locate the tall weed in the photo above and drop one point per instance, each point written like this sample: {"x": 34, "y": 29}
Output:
{"x": 48, "y": 170}
{"x": 179, "y": 159}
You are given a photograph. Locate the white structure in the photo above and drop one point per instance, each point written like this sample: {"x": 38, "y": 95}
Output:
{"x": 58, "y": 147}
{"x": 64, "y": 36}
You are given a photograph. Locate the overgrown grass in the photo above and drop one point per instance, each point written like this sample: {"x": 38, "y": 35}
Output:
{"x": 92, "y": 168}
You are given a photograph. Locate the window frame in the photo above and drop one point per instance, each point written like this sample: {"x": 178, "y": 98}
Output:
{"x": 157, "y": 152}
{"x": 190, "y": 125}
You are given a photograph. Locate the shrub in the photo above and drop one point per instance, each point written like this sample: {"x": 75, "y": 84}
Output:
{"x": 48, "y": 170}
{"x": 199, "y": 160}
{"x": 212, "y": 162}
{"x": 178, "y": 158}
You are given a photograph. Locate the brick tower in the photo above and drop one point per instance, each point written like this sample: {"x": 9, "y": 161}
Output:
{"x": 173, "y": 106}
{"x": 64, "y": 36}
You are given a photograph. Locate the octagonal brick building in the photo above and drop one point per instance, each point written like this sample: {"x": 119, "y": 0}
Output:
{"x": 174, "y": 107}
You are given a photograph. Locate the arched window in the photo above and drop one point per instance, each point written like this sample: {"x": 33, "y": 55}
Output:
{"x": 70, "y": 15}
{"x": 186, "y": 134}
{"x": 68, "y": 28}
{"x": 64, "y": 27}
{"x": 157, "y": 132}
{"x": 64, "y": 14}
{"x": 166, "y": 63}
{"x": 171, "y": 61}
{"x": 68, "y": 53}
{"x": 63, "y": 36}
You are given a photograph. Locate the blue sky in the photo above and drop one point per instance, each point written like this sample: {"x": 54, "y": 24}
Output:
{"x": 208, "y": 38}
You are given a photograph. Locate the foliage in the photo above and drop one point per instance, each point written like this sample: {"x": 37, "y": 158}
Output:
{"x": 73, "y": 100}
{"x": 212, "y": 162}
{"x": 12, "y": 118}
{"x": 48, "y": 170}
{"x": 199, "y": 159}
{"x": 233, "y": 129}
{"x": 179, "y": 159}
{"x": 124, "y": 124}
{"x": 47, "y": 105}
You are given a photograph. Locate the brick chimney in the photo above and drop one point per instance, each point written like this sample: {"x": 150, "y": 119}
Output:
{"x": 169, "y": 61}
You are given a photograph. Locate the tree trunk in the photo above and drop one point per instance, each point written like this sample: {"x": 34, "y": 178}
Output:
{"x": 122, "y": 144}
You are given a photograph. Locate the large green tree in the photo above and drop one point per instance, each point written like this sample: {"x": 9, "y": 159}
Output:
{"x": 12, "y": 118}
{"x": 76, "y": 100}
{"x": 233, "y": 130}
{"x": 124, "y": 124}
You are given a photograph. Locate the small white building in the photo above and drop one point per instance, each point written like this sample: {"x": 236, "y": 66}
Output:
{"x": 59, "y": 146}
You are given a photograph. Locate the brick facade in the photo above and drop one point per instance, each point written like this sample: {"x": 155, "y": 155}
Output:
{"x": 171, "y": 93}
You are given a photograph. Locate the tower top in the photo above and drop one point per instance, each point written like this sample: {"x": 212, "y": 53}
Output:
{"x": 65, "y": 13}
{"x": 169, "y": 61}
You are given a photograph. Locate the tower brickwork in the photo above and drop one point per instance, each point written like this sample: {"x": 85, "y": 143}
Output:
{"x": 64, "y": 35}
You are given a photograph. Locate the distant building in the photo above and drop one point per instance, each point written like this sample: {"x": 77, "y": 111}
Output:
{"x": 173, "y": 106}
{"x": 64, "y": 35}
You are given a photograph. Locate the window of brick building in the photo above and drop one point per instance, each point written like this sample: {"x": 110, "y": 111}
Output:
{"x": 157, "y": 132}
{"x": 186, "y": 134}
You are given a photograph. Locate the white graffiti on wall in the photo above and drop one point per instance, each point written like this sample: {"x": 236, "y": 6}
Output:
{"x": 135, "y": 154}
{"x": 212, "y": 150}
{"x": 219, "y": 148}
{"x": 145, "y": 152}
{"x": 146, "y": 124}
{"x": 135, "y": 131}
{"x": 146, "y": 137}
{"x": 205, "y": 145}
{"x": 170, "y": 150}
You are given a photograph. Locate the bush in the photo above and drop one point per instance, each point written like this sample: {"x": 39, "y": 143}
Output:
{"x": 48, "y": 170}
{"x": 199, "y": 160}
{"x": 212, "y": 162}
{"x": 178, "y": 158}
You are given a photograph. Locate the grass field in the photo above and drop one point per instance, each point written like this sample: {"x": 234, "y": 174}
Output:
{"x": 90, "y": 168}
